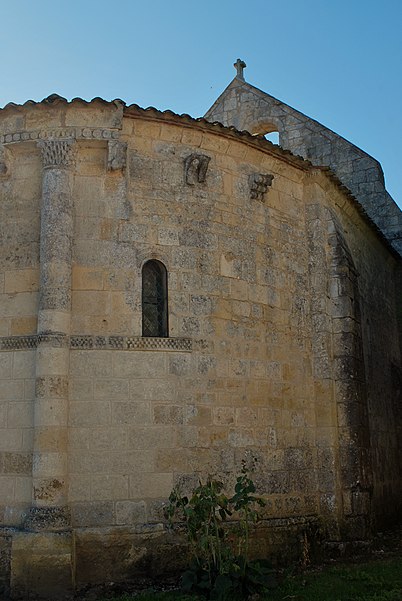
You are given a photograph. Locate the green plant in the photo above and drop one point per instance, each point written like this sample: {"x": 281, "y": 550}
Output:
{"x": 220, "y": 566}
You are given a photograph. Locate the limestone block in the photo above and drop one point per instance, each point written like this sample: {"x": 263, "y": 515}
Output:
{"x": 21, "y": 280}
{"x": 191, "y": 137}
{"x": 168, "y": 414}
{"x": 103, "y": 325}
{"x": 49, "y": 465}
{"x": 153, "y": 390}
{"x": 50, "y": 412}
{"x": 6, "y": 360}
{"x": 223, "y": 416}
{"x": 100, "y": 438}
{"x": 121, "y": 303}
{"x": 180, "y": 364}
{"x": 168, "y": 237}
{"x": 84, "y": 278}
{"x": 146, "y": 129}
{"x": 326, "y": 481}
{"x": 3, "y": 414}
{"x": 197, "y": 414}
{"x": 111, "y": 389}
{"x": 133, "y": 232}
{"x": 50, "y": 320}
{"x": 170, "y": 133}
{"x": 18, "y": 304}
{"x": 51, "y": 438}
{"x": 50, "y": 360}
{"x": 7, "y": 489}
{"x": 172, "y": 460}
{"x": 91, "y": 303}
{"x": 117, "y": 462}
{"x": 246, "y": 416}
{"x": 90, "y": 413}
{"x": 41, "y": 564}
{"x": 151, "y": 436}
{"x": 78, "y": 462}
{"x": 130, "y": 512}
{"x": 145, "y": 365}
{"x": 91, "y": 363}
{"x": 152, "y": 486}
{"x": 23, "y": 364}
{"x": 94, "y": 513}
{"x": 5, "y": 326}
{"x": 14, "y": 515}
{"x": 81, "y": 389}
{"x": 17, "y": 463}
{"x": 105, "y": 487}
{"x": 207, "y": 365}
{"x": 130, "y": 412}
{"x": 55, "y": 387}
{"x": 27, "y": 439}
{"x": 190, "y": 326}
{"x": 79, "y": 488}
{"x": 20, "y": 414}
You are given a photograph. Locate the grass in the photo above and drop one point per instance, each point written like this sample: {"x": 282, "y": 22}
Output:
{"x": 371, "y": 581}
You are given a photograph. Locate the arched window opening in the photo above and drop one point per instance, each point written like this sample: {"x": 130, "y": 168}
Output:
{"x": 154, "y": 300}
{"x": 268, "y": 129}
{"x": 273, "y": 137}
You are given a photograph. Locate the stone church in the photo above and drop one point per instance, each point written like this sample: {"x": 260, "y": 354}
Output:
{"x": 179, "y": 296}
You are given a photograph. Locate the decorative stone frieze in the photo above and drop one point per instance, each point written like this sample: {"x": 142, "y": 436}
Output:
{"x": 259, "y": 184}
{"x": 17, "y": 343}
{"x": 84, "y": 341}
{"x": 79, "y": 133}
{"x": 130, "y": 343}
{"x": 117, "y": 155}
{"x": 195, "y": 168}
{"x": 57, "y": 153}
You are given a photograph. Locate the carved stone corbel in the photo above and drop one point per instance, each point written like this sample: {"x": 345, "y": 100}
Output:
{"x": 259, "y": 184}
{"x": 116, "y": 155}
{"x": 195, "y": 168}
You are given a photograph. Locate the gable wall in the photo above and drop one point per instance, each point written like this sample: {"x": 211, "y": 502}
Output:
{"x": 248, "y": 108}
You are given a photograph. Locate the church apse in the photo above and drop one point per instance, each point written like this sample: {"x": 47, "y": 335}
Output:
{"x": 178, "y": 297}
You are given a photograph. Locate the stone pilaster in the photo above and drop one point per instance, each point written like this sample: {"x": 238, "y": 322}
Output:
{"x": 49, "y": 502}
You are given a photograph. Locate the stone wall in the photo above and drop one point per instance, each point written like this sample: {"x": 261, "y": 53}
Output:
{"x": 281, "y": 306}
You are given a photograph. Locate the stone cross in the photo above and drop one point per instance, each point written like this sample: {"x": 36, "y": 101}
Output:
{"x": 239, "y": 65}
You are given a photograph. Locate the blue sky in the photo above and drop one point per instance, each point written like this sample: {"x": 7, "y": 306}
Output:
{"x": 337, "y": 61}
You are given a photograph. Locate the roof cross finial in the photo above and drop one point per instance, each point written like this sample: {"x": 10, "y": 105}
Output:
{"x": 239, "y": 65}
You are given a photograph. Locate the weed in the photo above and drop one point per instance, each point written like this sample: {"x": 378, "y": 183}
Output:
{"x": 220, "y": 566}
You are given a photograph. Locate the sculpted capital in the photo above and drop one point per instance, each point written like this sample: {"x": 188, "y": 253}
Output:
{"x": 58, "y": 153}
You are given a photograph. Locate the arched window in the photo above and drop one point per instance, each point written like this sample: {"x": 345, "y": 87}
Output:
{"x": 154, "y": 299}
{"x": 268, "y": 129}
{"x": 273, "y": 137}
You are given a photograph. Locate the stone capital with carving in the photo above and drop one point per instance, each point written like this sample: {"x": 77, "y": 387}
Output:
{"x": 259, "y": 184}
{"x": 195, "y": 168}
{"x": 58, "y": 154}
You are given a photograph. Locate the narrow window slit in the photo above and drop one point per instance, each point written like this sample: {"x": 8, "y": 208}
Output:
{"x": 154, "y": 300}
